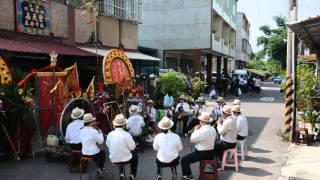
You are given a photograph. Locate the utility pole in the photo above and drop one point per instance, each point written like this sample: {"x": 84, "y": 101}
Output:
{"x": 290, "y": 59}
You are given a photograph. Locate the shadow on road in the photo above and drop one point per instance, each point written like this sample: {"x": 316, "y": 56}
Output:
{"x": 261, "y": 160}
{"x": 251, "y": 171}
{"x": 259, "y": 150}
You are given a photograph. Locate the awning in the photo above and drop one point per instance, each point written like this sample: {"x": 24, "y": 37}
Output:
{"x": 131, "y": 55}
{"x": 41, "y": 48}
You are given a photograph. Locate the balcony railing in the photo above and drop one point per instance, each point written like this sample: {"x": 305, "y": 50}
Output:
{"x": 130, "y": 10}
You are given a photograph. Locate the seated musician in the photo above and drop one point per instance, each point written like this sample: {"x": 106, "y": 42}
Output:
{"x": 203, "y": 136}
{"x": 197, "y": 110}
{"x": 73, "y": 134}
{"x": 135, "y": 124}
{"x": 182, "y": 109}
{"x": 122, "y": 146}
{"x": 90, "y": 137}
{"x": 150, "y": 119}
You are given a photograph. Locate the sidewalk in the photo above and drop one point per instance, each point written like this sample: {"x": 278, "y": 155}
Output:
{"x": 302, "y": 162}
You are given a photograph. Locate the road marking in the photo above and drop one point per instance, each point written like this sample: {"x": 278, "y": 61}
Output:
{"x": 271, "y": 88}
{"x": 267, "y": 99}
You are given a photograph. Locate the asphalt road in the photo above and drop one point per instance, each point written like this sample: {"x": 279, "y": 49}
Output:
{"x": 265, "y": 158}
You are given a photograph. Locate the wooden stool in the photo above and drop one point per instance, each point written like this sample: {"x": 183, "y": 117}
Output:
{"x": 243, "y": 148}
{"x": 205, "y": 176}
{"x": 302, "y": 136}
{"x": 122, "y": 170}
{"x": 89, "y": 160}
{"x": 73, "y": 153}
{"x": 173, "y": 170}
{"x": 233, "y": 152}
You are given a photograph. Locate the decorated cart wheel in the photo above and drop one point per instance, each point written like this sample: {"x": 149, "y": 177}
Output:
{"x": 5, "y": 75}
{"x": 117, "y": 67}
{"x": 65, "y": 117}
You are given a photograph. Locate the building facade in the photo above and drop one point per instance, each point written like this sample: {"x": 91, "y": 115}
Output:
{"x": 192, "y": 35}
{"x": 30, "y": 30}
{"x": 243, "y": 49}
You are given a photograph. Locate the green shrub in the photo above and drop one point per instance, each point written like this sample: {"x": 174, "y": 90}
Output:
{"x": 172, "y": 81}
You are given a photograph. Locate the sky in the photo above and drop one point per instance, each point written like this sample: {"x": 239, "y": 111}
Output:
{"x": 261, "y": 12}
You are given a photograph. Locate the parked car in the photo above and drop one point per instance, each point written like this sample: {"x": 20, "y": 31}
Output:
{"x": 278, "y": 80}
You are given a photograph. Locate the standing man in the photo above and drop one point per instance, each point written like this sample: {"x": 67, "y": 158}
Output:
{"x": 168, "y": 145}
{"x": 204, "y": 136}
{"x": 257, "y": 84}
{"x": 90, "y": 137}
{"x": 122, "y": 147}
{"x": 135, "y": 124}
{"x": 242, "y": 123}
{"x": 227, "y": 131}
{"x": 73, "y": 134}
{"x": 168, "y": 101}
{"x": 182, "y": 109}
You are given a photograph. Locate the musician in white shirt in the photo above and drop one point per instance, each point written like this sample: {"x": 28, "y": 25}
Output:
{"x": 242, "y": 123}
{"x": 90, "y": 137}
{"x": 73, "y": 137}
{"x": 121, "y": 146}
{"x": 168, "y": 145}
{"x": 182, "y": 109}
{"x": 217, "y": 110}
{"x": 151, "y": 112}
{"x": 197, "y": 110}
{"x": 135, "y": 124}
{"x": 227, "y": 130}
{"x": 204, "y": 137}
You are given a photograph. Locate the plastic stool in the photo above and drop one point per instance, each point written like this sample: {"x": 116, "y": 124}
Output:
{"x": 173, "y": 170}
{"x": 203, "y": 175}
{"x": 243, "y": 148}
{"x": 73, "y": 153}
{"x": 233, "y": 152}
{"x": 89, "y": 160}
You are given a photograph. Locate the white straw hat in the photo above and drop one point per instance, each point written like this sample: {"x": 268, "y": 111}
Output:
{"x": 182, "y": 97}
{"x": 201, "y": 99}
{"x": 88, "y": 118}
{"x": 220, "y": 99}
{"x": 133, "y": 109}
{"x": 119, "y": 120}
{"x": 226, "y": 109}
{"x": 205, "y": 117}
{"x": 77, "y": 113}
{"x": 236, "y": 102}
{"x": 165, "y": 123}
{"x": 236, "y": 108}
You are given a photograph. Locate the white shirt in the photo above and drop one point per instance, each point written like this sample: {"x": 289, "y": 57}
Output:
{"x": 73, "y": 132}
{"x": 185, "y": 107}
{"x": 89, "y": 138}
{"x": 257, "y": 82}
{"x": 212, "y": 93}
{"x": 217, "y": 112}
{"x": 168, "y": 146}
{"x": 152, "y": 113}
{"x": 242, "y": 125}
{"x": 135, "y": 124}
{"x": 120, "y": 144}
{"x": 228, "y": 130}
{"x": 168, "y": 100}
{"x": 204, "y": 138}
{"x": 197, "y": 110}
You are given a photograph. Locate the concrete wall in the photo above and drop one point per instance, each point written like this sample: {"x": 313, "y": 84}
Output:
{"x": 176, "y": 24}
{"x": 242, "y": 34}
{"x": 129, "y": 35}
{"x": 59, "y": 19}
{"x": 109, "y": 31}
{"x": 7, "y": 15}
{"x": 83, "y": 29}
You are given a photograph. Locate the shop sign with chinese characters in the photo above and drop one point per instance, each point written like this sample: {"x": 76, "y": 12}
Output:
{"x": 33, "y": 16}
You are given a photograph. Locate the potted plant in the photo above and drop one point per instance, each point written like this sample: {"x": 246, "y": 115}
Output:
{"x": 313, "y": 118}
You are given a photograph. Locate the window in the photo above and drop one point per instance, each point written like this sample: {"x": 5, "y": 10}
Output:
{"x": 123, "y": 9}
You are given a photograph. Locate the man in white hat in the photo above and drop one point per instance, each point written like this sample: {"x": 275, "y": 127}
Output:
{"x": 90, "y": 137}
{"x": 168, "y": 145}
{"x": 242, "y": 123}
{"x": 217, "y": 110}
{"x": 197, "y": 110}
{"x": 182, "y": 109}
{"x": 121, "y": 146}
{"x": 204, "y": 136}
{"x": 73, "y": 134}
{"x": 236, "y": 102}
{"x": 151, "y": 113}
{"x": 227, "y": 131}
{"x": 135, "y": 124}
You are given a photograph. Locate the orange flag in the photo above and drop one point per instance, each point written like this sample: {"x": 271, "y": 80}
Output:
{"x": 72, "y": 82}
{"x": 90, "y": 89}
{"x": 61, "y": 90}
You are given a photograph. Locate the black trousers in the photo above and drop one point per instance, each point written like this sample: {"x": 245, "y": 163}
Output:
{"x": 173, "y": 163}
{"x": 133, "y": 164}
{"x": 185, "y": 124}
{"x": 139, "y": 140}
{"x": 195, "y": 157}
{"x": 99, "y": 158}
{"x": 74, "y": 158}
{"x": 193, "y": 123}
{"x": 221, "y": 146}
{"x": 240, "y": 138}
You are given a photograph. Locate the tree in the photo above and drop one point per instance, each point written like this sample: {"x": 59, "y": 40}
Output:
{"x": 273, "y": 41}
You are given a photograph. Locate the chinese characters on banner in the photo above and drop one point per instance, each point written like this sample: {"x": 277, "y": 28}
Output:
{"x": 33, "y": 16}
